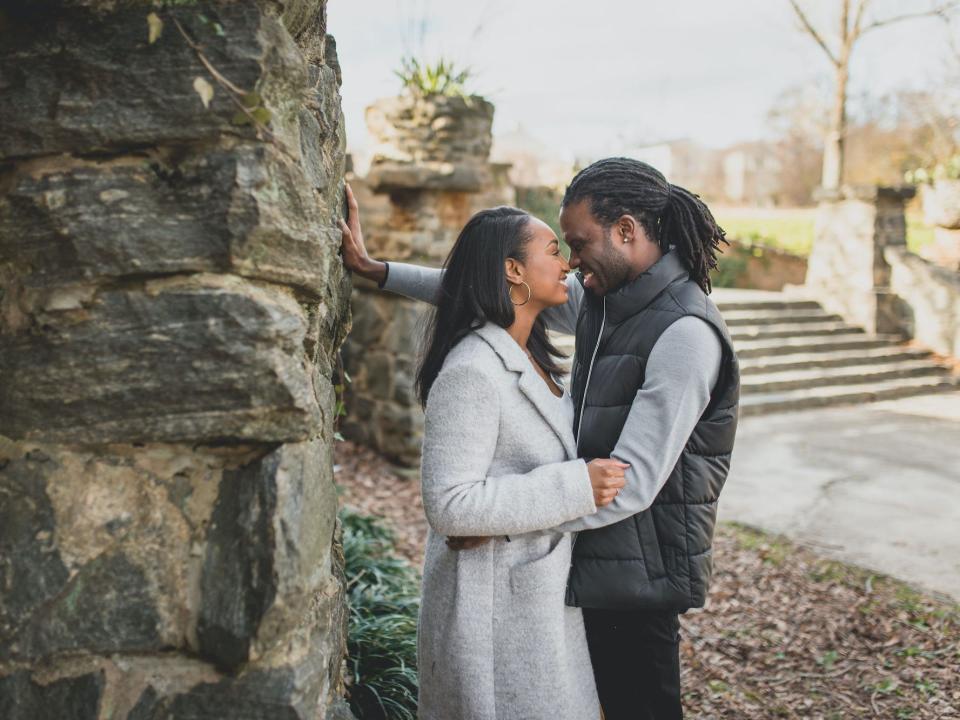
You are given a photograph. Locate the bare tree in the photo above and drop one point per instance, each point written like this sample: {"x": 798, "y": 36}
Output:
{"x": 854, "y": 23}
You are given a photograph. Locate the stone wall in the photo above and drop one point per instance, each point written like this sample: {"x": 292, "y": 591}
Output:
{"x": 429, "y": 174}
{"x": 929, "y": 300}
{"x": 171, "y": 305}
{"x": 861, "y": 269}
{"x": 847, "y": 271}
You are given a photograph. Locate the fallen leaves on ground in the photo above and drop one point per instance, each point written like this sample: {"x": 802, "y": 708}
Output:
{"x": 786, "y": 633}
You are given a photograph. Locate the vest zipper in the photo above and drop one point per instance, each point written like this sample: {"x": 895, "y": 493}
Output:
{"x": 586, "y": 387}
{"x": 583, "y": 403}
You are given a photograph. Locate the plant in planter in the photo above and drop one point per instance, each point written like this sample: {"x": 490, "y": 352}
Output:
{"x": 434, "y": 135}
{"x": 440, "y": 78}
{"x": 941, "y": 193}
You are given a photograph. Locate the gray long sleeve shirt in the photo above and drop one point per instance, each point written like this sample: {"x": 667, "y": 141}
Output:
{"x": 682, "y": 369}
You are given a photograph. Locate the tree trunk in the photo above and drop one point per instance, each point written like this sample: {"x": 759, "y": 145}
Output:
{"x": 833, "y": 146}
{"x": 834, "y": 141}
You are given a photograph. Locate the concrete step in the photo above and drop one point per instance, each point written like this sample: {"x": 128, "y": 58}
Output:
{"x": 838, "y": 358}
{"x": 857, "y": 375}
{"x": 761, "y": 403}
{"x": 792, "y": 330}
{"x": 811, "y": 344}
{"x": 726, "y": 306}
{"x": 737, "y": 318}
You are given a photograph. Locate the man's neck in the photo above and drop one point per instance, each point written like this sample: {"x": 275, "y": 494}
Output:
{"x": 646, "y": 261}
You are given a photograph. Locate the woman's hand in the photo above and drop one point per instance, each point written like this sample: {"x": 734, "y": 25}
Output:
{"x": 354, "y": 252}
{"x": 466, "y": 542}
{"x": 607, "y": 476}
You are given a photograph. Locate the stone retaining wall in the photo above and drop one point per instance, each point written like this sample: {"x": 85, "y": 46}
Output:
{"x": 171, "y": 305}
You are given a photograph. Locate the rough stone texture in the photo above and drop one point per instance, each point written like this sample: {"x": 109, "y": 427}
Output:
{"x": 103, "y": 367}
{"x": 929, "y": 300}
{"x": 413, "y": 220}
{"x": 268, "y": 551}
{"x": 72, "y": 698}
{"x": 242, "y": 209}
{"x": 436, "y": 142}
{"x": 846, "y": 270}
{"x": 941, "y": 204}
{"x": 171, "y": 308}
{"x": 381, "y": 355}
{"x": 861, "y": 269}
{"x": 93, "y": 84}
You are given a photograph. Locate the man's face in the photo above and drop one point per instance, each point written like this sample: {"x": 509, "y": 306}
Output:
{"x": 592, "y": 249}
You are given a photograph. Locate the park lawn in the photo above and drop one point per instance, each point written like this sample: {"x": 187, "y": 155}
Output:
{"x": 792, "y": 229}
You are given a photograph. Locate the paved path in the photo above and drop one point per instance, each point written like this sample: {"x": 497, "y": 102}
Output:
{"x": 877, "y": 485}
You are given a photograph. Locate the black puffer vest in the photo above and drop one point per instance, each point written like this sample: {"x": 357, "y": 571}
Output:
{"x": 658, "y": 559}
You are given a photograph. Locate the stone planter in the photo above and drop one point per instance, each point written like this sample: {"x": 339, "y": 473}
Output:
{"x": 430, "y": 142}
{"x": 430, "y": 172}
{"x": 941, "y": 204}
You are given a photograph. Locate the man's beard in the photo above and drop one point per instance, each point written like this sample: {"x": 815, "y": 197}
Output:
{"x": 611, "y": 267}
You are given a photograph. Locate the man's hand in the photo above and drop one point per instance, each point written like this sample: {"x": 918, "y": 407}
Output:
{"x": 466, "y": 542}
{"x": 354, "y": 252}
{"x": 606, "y": 477}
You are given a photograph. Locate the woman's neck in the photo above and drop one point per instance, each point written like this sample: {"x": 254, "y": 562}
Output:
{"x": 522, "y": 325}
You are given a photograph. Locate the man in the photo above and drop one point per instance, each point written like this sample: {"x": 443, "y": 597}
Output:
{"x": 655, "y": 384}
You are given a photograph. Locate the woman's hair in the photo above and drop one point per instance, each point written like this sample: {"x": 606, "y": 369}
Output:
{"x": 474, "y": 291}
{"x": 670, "y": 214}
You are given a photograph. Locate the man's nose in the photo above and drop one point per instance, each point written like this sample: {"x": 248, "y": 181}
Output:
{"x": 574, "y": 260}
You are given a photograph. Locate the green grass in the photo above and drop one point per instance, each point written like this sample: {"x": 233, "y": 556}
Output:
{"x": 793, "y": 230}
{"x": 383, "y": 592}
{"x": 787, "y": 231}
{"x": 918, "y": 234}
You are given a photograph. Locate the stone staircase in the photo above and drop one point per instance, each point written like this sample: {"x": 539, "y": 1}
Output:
{"x": 793, "y": 355}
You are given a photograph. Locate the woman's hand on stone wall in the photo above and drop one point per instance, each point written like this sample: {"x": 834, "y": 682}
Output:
{"x": 354, "y": 252}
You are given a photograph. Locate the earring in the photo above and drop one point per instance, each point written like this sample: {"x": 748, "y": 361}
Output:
{"x": 529, "y": 294}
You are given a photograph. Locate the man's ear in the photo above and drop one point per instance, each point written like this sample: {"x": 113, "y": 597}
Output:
{"x": 513, "y": 271}
{"x": 628, "y": 229}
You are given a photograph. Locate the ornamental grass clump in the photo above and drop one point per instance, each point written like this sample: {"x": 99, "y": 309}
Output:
{"x": 440, "y": 78}
{"x": 383, "y": 592}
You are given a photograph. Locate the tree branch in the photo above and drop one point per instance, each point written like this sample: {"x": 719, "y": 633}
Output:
{"x": 941, "y": 11}
{"x": 858, "y": 20}
{"x": 813, "y": 32}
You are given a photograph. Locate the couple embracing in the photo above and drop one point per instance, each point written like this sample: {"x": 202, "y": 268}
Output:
{"x": 568, "y": 529}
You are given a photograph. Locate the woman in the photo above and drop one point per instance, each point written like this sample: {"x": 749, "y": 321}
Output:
{"x": 499, "y": 459}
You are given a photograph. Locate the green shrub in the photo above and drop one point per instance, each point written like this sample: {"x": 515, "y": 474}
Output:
{"x": 383, "y": 591}
{"x": 439, "y": 78}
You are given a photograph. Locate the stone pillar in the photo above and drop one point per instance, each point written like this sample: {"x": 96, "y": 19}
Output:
{"x": 941, "y": 208}
{"x": 429, "y": 173}
{"x": 847, "y": 271}
{"x": 171, "y": 303}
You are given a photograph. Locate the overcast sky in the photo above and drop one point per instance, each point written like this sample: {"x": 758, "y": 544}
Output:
{"x": 587, "y": 77}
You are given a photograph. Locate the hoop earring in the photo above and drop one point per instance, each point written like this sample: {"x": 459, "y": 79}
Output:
{"x": 529, "y": 294}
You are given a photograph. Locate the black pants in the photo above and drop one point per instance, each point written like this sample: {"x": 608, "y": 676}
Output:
{"x": 636, "y": 662}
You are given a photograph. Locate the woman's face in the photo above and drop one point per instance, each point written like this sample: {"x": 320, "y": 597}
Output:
{"x": 544, "y": 268}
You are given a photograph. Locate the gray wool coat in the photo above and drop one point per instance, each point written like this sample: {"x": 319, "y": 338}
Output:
{"x": 496, "y": 641}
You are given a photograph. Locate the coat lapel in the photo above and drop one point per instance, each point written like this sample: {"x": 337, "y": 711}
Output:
{"x": 532, "y": 386}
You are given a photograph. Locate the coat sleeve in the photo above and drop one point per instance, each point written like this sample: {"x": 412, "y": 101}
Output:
{"x": 460, "y": 497}
{"x": 414, "y": 281}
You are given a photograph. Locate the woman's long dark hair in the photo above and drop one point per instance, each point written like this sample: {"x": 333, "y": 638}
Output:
{"x": 670, "y": 214}
{"x": 474, "y": 291}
